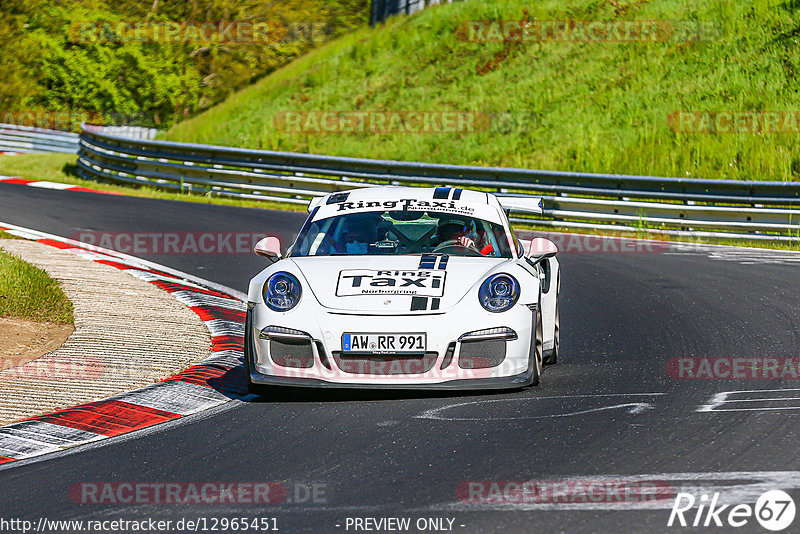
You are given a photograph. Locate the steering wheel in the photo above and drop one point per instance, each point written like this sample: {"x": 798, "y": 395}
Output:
{"x": 454, "y": 247}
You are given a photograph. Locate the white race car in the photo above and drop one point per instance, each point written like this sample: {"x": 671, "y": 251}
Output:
{"x": 405, "y": 287}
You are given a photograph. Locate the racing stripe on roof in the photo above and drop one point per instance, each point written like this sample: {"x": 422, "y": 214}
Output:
{"x": 457, "y": 193}
{"x": 441, "y": 192}
{"x": 435, "y": 304}
{"x": 443, "y": 261}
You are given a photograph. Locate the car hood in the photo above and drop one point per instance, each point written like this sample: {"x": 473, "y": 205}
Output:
{"x": 393, "y": 284}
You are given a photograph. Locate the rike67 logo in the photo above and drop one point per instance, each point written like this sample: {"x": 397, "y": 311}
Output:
{"x": 774, "y": 510}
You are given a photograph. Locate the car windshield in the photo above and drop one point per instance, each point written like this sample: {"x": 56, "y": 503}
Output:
{"x": 402, "y": 232}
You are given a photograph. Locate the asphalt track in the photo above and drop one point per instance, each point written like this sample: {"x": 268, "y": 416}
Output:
{"x": 609, "y": 409}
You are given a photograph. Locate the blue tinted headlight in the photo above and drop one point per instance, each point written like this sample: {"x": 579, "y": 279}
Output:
{"x": 499, "y": 292}
{"x": 282, "y": 292}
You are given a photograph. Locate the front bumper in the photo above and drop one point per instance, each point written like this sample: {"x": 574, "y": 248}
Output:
{"x": 511, "y": 382}
{"x": 443, "y": 367}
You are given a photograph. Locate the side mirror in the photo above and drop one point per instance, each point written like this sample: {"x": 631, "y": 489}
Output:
{"x": 270, "y": 248}
{"x": 541, "y": 248}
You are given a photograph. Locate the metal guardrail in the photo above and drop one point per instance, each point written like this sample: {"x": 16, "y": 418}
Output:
{"x": 25, "y": 139}
{"x": 684, "y": 206}
{"x": 380, "y": 10}
{"x": 130, "y": 132}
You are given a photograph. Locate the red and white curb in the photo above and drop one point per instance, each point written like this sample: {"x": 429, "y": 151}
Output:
{"x": 43, "y": 184}
{"x": 214, "y": 381}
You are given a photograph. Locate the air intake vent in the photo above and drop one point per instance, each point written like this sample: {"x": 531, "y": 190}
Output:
{"x": 385, "y": 364}
{"x": 291, "y": 353}
{"x": 482, "y": 354}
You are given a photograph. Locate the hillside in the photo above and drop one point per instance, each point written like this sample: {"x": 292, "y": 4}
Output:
{"x": 149, "y": 63}
{"x": 567, "y": 102}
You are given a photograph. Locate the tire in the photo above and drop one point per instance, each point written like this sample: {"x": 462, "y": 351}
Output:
{"x": 552, "y": 356}
{"x": 536, "y": 347}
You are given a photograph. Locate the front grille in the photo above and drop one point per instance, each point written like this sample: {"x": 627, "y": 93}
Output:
{"x": 482, "y": 354}
{"x": 291, "y": 353}
{"x": 385, "y": 364}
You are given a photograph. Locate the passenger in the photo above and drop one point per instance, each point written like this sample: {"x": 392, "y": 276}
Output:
{"x": 359, "y": 233}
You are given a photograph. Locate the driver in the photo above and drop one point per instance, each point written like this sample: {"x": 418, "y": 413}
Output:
{"x": 464, "y": 233}
{"x": 453, "y": 231}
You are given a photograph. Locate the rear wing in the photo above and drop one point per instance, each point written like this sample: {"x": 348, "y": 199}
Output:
{"x": 522, "y": 204}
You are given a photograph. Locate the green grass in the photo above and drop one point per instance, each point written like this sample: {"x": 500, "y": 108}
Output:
{"x": 599, "y": 107}
{"x": 61, "y": 168}
{"x": 4, "y": 235}
{"x": 28, "y": 292}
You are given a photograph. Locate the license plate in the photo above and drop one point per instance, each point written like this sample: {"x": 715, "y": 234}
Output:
{"x": 384, "y": 343}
